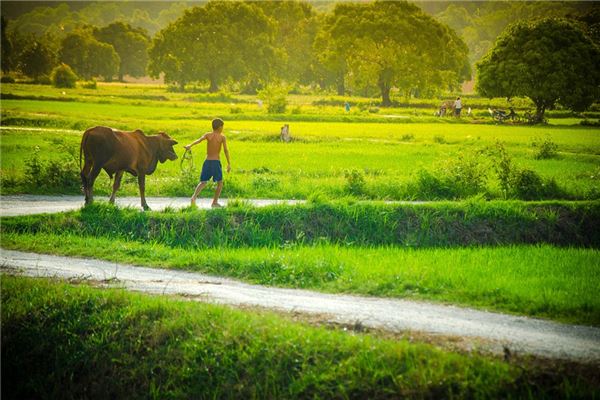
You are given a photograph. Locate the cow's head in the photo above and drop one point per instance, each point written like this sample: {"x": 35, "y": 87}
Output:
{"x": 165, "y": 149}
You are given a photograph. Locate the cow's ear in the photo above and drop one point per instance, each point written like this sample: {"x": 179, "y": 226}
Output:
{"x": 172, "y": 142}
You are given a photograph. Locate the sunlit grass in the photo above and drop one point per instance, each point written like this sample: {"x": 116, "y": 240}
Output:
{"x": 122, "y": 345}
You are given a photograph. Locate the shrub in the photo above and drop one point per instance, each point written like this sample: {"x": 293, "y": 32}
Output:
{"x": 43, "y": 80}
{"x": 63, "y": 77}
{"x": 54, "y": 175}
{"x": 545, "y": 148}
{"x": 409, "y": 137}
{"x": 466, "y": 174}
{"x": 355, "y": 182}
{"x": 439, "y": 139}
{"x": 275, "y": 97}
{"x": 7, "y": 79}
{"x": 90, "y": 85}
{"x": 235, "y": 110}
{"x": 264, "y": 181}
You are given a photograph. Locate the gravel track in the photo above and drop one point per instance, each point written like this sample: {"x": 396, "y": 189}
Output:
{"x": 521, "y": 335}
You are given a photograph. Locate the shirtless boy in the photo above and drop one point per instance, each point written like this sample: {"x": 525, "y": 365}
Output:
{"x": 212, "y": 165}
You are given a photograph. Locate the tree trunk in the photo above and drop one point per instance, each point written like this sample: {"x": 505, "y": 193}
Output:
{"x": 341, "y": 88}
{"x": 385, "y": 95}
{"x": 182, "y": 86}
{"x": 214, "y": 87}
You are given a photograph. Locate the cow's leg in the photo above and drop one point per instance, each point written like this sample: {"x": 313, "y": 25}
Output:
{"x": 142, "y": 184}
{"x": 85, "y": 173}
{"x": 116, "y": 186}
{"x": 90, "y": 180}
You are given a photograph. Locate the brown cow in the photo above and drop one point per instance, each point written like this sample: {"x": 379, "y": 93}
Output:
{"x": 116, "y": 152}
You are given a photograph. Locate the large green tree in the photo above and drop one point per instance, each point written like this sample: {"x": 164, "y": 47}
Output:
{"x": 37, "y": 59}
{"x": 550, "y": 61}
{"x": 131, "y": 44}
{"x": 218, "y": 41}
{"x": 295, "y": 29}
{"x": 89, "y": 57}
{"x": 395, "y": 44}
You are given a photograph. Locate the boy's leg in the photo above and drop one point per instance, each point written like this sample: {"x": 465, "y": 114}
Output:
{"x": 215, "y": 202}
{"x": 199, "y": 188}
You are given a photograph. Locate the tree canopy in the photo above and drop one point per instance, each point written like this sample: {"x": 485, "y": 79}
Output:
{"x": 214, "y": 42}
{"x": 37, "y": 59}
{"x": 395, "y": 44}
{"x": 131, "y": 44}
{"x": 550, "y": 61}
{"x": 88, "y": 57}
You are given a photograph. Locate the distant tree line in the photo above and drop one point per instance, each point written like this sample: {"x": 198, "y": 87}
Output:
{"x": 362, "y": 48}
{"x": 366, "y": 47}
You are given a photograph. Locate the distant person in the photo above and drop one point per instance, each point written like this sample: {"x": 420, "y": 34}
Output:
{"x": 347, "y": 106}
{"x": 212, "y": 165}
{"x": 457, "y": 107}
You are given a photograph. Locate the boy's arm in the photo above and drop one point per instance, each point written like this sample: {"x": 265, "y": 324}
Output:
{"x": 189, "y": 146}
{"x": 226, "y": 151}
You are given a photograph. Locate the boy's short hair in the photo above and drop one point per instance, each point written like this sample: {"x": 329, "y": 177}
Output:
{"x": 217, "y": 123}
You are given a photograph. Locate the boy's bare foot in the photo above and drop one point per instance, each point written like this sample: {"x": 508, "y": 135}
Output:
{"x": 216, "y": 205}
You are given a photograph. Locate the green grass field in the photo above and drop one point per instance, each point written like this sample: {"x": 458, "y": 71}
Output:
{"x": 507, "y": 263}
{"x": 389, "y": 154}
{"x": 481, "y": 246}
{"x": 114, "y": 344}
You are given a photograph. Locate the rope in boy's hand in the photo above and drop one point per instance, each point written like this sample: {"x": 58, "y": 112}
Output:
{"x": 188, "y": 159}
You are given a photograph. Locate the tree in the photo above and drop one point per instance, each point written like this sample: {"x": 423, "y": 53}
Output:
{"x": 215, "y": 42}
{"x": 131, "y": 44}
{"x": 550, "y": 61}
{"x": 88, "y": 57}
{"x": 394, "y": 44}
{"x": 37, "y": 59}
{"x": 295, "y": 29}
{"x": 7, "y": 48}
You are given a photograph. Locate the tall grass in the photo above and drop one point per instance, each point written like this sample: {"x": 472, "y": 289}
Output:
{"x": 365, "y": 224}
{"x": 60, "y": 341}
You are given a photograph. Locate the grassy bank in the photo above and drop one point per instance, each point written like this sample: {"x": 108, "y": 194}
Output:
{"x": 540, "y": 281}
{"x": 78, "y": 342}
{"x": 365, "y": 224}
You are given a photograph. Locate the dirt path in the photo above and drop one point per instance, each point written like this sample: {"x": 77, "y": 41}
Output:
{"x": 27, "y": 204}
{"x": 520, "y": 334}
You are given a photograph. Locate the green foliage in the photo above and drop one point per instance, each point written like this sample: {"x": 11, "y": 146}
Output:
{"x": 549, "y": 61}
{"x": 122, "y": 345}
{"x": 63, "y": 77}
{"x": 379, "y": 41}
{"x": 439, "y": 225}
{"x": 6, "y": 48}
{"x": 90, "y": 85}
{"x": 131, "y": 44}
{"x": 276, "y": 98}
{"x": 243, "y": 46}
{"x": 51, "y": 175}
{"x": 88, "y": 57}
{"x": 355, "y": 182}
{"x": 544, "y": 148}
{"x": 37, "y": 59}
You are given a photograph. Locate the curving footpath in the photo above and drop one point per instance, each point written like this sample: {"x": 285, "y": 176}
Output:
{"x": 27, "y": 204}
{"x": 499, "y": 331}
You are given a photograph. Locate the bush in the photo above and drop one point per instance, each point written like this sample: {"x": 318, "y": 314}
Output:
{"x": 545, "y": 148}
{"x": 7, "y": 79}
{"x": 43, "y": 80}
{"x": 409, "y": 137}
{"x": 264, "y": 182}
{"x": 63, "y": 77}
{"x": 235, "y": 110}
{"x": 355, "y": 182}
{"x": 53, "y": 175}
{"x": 90, "y": 85}
{"x": 439, "y": 139}
{"x": 275, "y": 97}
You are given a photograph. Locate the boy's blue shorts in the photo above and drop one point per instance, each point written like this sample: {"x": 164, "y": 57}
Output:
{"x": 211, "y": 169}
